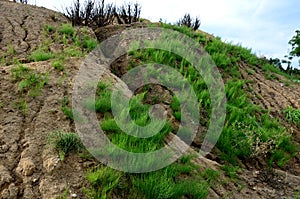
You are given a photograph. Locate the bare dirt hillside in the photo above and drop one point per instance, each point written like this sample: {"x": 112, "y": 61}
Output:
{"x": 21, "y": 28}
{"x": 29, "y": 168}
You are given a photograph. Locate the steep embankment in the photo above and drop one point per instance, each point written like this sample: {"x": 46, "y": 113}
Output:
{"x": 32, "y": 96}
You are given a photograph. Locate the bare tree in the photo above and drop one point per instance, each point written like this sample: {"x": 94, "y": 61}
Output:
{"x": 98, "y": 14}
{"x": 189, "y": 22}
{"x": 128, "y": 13}
{"x": 103, "y": 15}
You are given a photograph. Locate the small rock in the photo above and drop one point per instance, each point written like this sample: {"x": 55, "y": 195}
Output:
{"x": 50, "y": 163}
{"x": 74, "y": 195}
{"x": 35, "y": 180}
{"x": 255, "y": 174}
{"x": 26, "y": 167}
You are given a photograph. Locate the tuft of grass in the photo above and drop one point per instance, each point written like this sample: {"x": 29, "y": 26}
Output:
{"x": 29, "y": 81}
{"x": 73, "y": 51}
{"x": 65, "y": 143}
{"x": 67, "y": 29}
{"x": 154, "y": 185}
{"x": 110, "y": 125}
{"x": 230, "y": 171}
{"x": 65, "y": 108}
{"x": 103, "y": 99}
{"x": 89, "y": 43}
{"x": 49, "y": 29}
{"x": 103, "y": 181}
{"x": 21, "y": 105}
{"x": 292, "y": 115}
{"x": 167, "y": 183}
{"x": 41, "y": 55}
{"x": 58, "y": 65}
{"x": 65, "y": 193}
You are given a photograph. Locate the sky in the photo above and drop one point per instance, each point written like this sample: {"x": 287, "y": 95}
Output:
{"x": 265, "y": 26}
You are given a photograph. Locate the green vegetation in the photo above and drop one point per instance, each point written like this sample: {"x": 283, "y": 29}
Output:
{"x": 295, "y": 43}
{"x": 165, "y": 183}
{"x": 21, "y": 105}
{"x": 66, "y": 109}
{"x": 65, "y": 193}
{"x": 248, "y": 132}
{"x": 29, "y": 81}
{"x": 292, "y": 115}
{"x": 65, "y": 143}
{"x": 73, "y": 41}
{"x": 102, "y": 181}
{"x": 103, "y": 99}
{"x": 178, "y": 180}
{"x": 50, "y": 29}
{"x": 58, "y": 65}
{"x": 8, "y": 56}
{"x": 67, "y": 29}
{"x": 41, "y": 54}
{"x": 230, "y": 171}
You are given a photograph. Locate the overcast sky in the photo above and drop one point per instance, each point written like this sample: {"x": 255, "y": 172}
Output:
{"x": 266, "y": 26}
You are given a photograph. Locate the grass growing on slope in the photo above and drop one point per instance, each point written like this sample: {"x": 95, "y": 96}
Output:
{"x": 65, "y": 143}
{"x": 64, "y": 41}
{"x": 249, "y": 131}
{"x": 181, "y": 179}
{"x": 292, "y": 115}
{"x": 29, "y": 81}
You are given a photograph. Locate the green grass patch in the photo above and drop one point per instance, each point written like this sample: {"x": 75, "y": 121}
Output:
{"x": 58, "y": 65}
{"x": 66, "y": 109}
{"x": 29, "y": 81}
{"x": 103, "y": 181}
{"x": 292, "y": 115}
{"x": 41, "y": 55}
{"x": 65, "y": 143}
{"x": 67, "y": 29}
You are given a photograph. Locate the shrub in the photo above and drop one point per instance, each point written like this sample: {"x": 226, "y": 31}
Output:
{"x": 90, "y": 14}
{"x": 189, "y": 22}
{"x": 101, "y": 14}
{"x": 128, "y": 13}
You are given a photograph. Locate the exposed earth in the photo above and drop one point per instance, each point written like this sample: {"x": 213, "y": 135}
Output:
{"x": 29, "y": 168}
